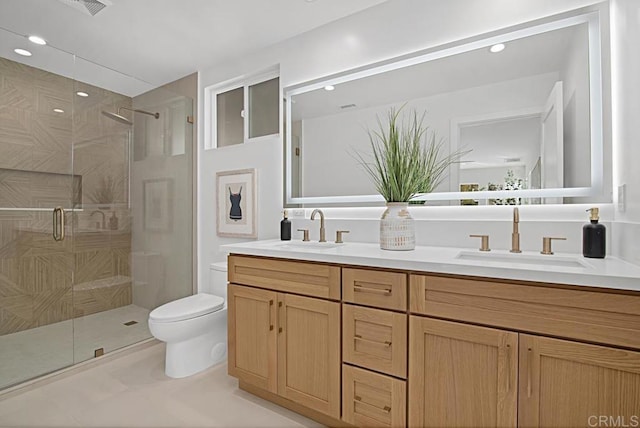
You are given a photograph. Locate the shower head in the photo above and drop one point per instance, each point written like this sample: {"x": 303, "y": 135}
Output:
{"x": 117, "y": 117}
{"x": 121, "y": 119}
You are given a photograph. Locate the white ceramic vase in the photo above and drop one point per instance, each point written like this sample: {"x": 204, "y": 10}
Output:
{"x": 397, "y": 228}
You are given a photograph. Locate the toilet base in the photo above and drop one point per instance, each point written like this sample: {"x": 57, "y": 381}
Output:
{"x": 194, "y": 355}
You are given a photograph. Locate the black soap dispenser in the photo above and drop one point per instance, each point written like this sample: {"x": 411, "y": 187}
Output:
{"x": 285, "y": 228}
{"x": 594, "y": 237}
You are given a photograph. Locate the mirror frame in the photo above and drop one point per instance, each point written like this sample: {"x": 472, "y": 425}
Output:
{"x": 589, "y": 15}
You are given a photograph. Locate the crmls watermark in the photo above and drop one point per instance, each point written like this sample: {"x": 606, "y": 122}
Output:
{"x": 632, "y": 421}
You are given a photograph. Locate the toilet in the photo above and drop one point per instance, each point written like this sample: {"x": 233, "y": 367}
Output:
{"x": 194, "y": 327}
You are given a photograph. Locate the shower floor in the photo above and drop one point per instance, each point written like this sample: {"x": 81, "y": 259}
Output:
{"x": 31, "y": 353}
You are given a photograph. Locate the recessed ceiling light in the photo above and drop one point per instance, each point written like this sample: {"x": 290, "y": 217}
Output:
{"x": 329, "y": 88}
{"x": 22, "y": 52}
{"x": 82, "y": 94}
{"x": 37, "y": 40}
{"x": 58, "y": 110}
{"x": 497, "y": 48}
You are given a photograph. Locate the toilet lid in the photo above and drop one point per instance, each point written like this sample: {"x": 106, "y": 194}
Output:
{"x": 187, "y": 308}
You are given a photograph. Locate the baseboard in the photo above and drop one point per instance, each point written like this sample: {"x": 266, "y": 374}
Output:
{"x": 293, "y": 406}
{"x": 76, "y": 368}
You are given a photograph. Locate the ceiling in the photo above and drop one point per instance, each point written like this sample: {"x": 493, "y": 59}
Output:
{"x": 159, "y": 41}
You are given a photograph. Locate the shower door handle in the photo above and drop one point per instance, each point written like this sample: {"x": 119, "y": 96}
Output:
{"x": 58, "y": 224}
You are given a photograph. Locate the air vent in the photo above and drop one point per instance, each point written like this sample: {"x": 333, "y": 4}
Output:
{"x": 88, "y": 7}
{"x": 511, "y": 160}
{"x": 346, "y": 106}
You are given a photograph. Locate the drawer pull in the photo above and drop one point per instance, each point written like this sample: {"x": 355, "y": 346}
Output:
{"x": 361, "y": 289}
{"x": 529, "y": 362}
{"x": 508, "y": 368}
{"x": 358, "y": 337}
{"x": 270, "y": 323}
{"x": 359, "y": 399}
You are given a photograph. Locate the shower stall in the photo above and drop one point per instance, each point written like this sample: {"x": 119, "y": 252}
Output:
{"x": 96, "y": 186}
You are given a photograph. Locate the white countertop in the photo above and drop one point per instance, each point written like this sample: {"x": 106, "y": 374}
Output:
{"x": 559, "y": 268}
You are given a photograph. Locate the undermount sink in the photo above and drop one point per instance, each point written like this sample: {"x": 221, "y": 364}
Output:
{"x": 527, "y": 259}
{"x": 308, "y": 245}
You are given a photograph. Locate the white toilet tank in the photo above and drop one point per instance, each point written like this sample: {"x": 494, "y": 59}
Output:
{"x": 217, "y": 280}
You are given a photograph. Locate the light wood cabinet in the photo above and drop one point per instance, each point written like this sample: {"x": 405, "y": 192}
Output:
{"x": 373, "y": 400}
{"x": 309, "y": 279}
{"x": 469, "y": 358}
{"x": 594, "y": 316}
{"x": 380, "y": 289}
{"x": 461, "y": 375}
{"x": 252, "y": 340}
{"x": 286, "y": 344}
{"x": 570, "y": 384}
{"x": 309, "y": 352}
{"x": 375, "y": 339}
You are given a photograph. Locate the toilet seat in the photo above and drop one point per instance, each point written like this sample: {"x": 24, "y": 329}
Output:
{"x": 187, "y": 308}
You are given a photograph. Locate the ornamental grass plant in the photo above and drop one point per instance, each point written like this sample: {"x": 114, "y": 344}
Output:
{"x": 406, "y": 158}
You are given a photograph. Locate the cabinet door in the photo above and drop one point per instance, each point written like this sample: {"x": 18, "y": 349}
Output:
{"x": 309, "y": 352}
{"x": 570, "y": 384}
{"x": 461, "y": 375}
{"x": 252, "y": 336}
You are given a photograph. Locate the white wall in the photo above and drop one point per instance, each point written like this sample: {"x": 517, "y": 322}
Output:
{"x": 393, "y": 28}
{"x": 625, "y": 33}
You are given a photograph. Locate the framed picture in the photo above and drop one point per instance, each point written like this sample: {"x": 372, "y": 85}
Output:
{"x": 157, "y": 196}
{"x": 236, "y": 203}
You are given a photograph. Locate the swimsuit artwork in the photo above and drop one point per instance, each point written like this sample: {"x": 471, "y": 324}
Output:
{"x": 236, "y": 212}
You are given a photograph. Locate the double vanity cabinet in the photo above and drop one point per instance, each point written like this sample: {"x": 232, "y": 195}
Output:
{"x": 367, "y": 346}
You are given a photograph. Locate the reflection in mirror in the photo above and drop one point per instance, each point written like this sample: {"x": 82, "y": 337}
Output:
{"x": 527, "y": 113}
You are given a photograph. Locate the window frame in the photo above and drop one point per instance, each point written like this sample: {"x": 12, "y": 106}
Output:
{"x": 211, "y": 106}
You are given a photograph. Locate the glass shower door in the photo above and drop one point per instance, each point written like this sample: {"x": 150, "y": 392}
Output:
{"x": 70, "y": 292}
{"x": 36, "y": 268}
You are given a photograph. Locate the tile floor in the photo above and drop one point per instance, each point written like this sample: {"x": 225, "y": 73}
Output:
{"x": 133, "y": 391}
{"x": 30, "y": 353}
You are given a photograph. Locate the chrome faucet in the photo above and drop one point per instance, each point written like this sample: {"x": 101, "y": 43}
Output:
{"x": 104, "y": 223}
{"x": 322, "y": 230}
{"x": 515, "y": 235}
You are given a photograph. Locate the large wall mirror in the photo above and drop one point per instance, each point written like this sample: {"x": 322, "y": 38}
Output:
{"x": 530, "y": 116}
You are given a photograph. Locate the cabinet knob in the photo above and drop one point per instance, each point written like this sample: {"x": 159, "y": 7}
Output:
{"x": 305, "y": 234}
{"x": 339, "y": 236}
{"x": 546, "y": 244}
{"x": 484, "y": 242}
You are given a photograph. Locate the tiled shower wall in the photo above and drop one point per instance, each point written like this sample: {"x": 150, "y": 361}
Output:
{"x": 77, "y": 159}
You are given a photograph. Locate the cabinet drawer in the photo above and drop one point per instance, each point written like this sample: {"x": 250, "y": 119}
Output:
{"x": 387, "y": 290}
{"x": 592, "y": 316}
{"x": 310, "y": 279}
{"x": 375, "y": 339}
{"x": 373, "y": 400}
